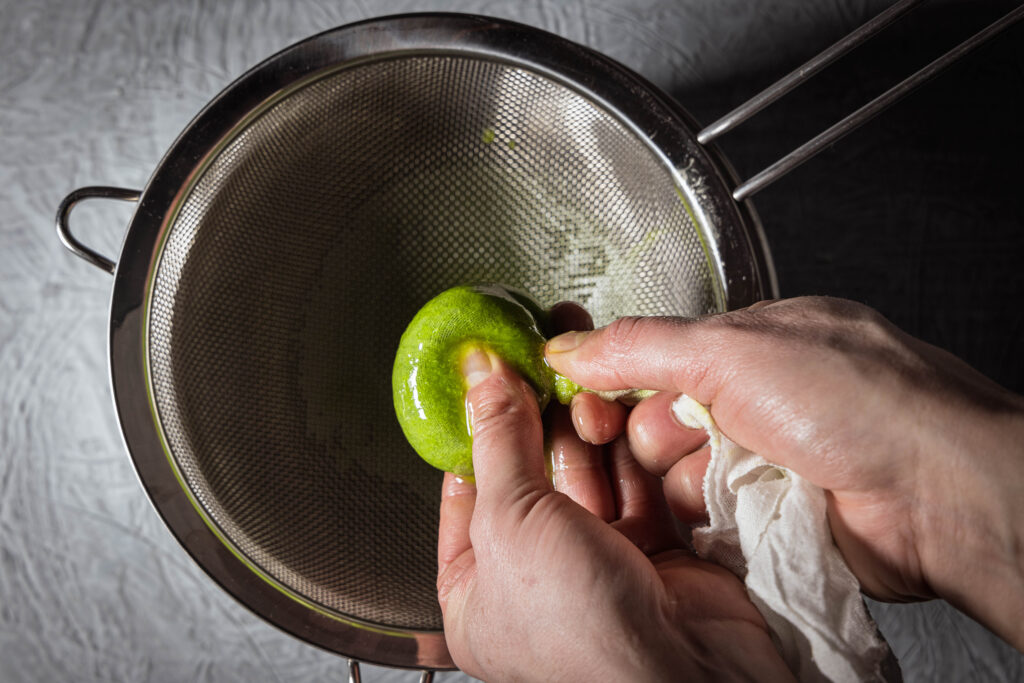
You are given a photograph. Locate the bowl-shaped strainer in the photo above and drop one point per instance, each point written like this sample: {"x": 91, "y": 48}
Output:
{"x": 297, "y": 225}
{"x": 293, "y": 230}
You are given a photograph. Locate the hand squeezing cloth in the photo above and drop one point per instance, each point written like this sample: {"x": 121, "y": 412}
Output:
{"x": 768, "y": 526}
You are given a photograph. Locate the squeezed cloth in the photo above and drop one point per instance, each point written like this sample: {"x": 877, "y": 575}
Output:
{"x": 768, "y": 526}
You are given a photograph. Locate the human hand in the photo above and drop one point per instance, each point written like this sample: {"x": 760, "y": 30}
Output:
{"x": 537, "y": 585}
{"x": 921, "y": 457}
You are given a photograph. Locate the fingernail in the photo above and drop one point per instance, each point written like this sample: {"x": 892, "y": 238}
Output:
{"x": 566, "y": 342}
{"x": 476, "y": 367}
{"x": 576, "y": 415}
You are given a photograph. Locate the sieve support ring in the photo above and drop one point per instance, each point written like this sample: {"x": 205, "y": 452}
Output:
{"x": 64, "y": 227}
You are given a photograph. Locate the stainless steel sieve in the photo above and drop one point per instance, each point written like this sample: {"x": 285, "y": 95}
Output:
{"x": 298, "y": 223}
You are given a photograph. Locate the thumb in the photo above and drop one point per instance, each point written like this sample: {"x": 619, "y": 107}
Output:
{"x": 508, "y": 440}
{"x": 658, "y": 353}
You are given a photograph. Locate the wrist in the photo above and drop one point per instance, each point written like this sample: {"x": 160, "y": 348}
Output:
{"x": 974, "y": 557}
{"x": 712, "y": 650}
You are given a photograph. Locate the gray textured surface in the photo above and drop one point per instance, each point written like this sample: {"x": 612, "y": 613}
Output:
{"x": 93, "y": 588}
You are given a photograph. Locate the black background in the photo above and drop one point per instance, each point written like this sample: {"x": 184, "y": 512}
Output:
{"x": 919, "y": 212}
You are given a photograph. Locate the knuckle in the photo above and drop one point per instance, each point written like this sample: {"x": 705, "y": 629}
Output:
{"x": 623, "y": 348}
{"x": 499, "y": 405}
{"x": 833, "y": 311}
{"x": 623, "y": 334}
{"x": 807, "y": 320}
{"x": 843, "y": 324}
{"x": 451, "y": 580}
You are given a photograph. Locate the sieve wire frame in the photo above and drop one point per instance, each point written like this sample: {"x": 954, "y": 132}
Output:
{"x": 209, "y": 517}
{"x": 701, "y": 178}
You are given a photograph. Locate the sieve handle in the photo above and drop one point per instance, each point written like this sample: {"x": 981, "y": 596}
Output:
{"x": 64, "y": 228}
{"x": 788, "y": 83}
{"x": 355, "y": 677}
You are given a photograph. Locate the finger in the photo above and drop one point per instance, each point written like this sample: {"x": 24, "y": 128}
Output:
{"x": 458, "y": 496}
{"x": 656, "y": 437}
{"x": 684, "y": 486}
{"x": 508, "y": 458}
{"x": 764, "y": 303}
{"x": 456, "y": 562}
{"x": 664, "y": 354}
{"x": 578, "y": 468}
{"x": 597, "y": 421}
{"x": 695, "y": 356}
{"x": 643, "y": 514}
{"x": 567, "y": 316}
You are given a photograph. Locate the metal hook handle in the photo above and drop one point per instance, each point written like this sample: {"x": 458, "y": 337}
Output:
{"x": 64, "y": 229}
{"x": 354, "y": 676}
{"x": 789, "y": 82}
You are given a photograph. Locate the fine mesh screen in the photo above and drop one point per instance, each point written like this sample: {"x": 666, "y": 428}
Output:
{"x": 310, "y": 240}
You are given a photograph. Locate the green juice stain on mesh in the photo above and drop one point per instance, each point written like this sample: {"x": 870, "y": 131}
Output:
{"x": 427, "y": 383}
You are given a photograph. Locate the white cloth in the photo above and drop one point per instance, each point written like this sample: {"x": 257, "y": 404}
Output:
{"x": 768, "y": 526}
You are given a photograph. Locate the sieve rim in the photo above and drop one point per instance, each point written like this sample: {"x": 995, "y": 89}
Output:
{"x": 702, "y": 173}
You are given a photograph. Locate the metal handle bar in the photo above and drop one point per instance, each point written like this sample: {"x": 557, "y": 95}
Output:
{"x": 792, "y": 80}
{"x": 355, "y": 677}
{"x": 64, "y": 229}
